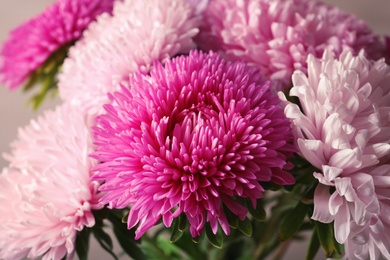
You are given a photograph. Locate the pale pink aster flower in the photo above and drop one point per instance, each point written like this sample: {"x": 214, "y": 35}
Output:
{"x": 277, "y": 35}
{"x": 47, "y": 195}
{"x": 189, "y": 138}
{"x": 343, "y": 129}
{"x": 30, "y": 44}
{"x": 138, "y": 33}
{"x": 371, "y": 240}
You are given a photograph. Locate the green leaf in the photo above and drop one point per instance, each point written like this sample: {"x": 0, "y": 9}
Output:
{"x": 245, "y": 226}
{"x": 176, "y": 232}
{"x": 152, "y": 251}
{"x": 327, "y": 240}
{"x": 326, "y": 237}
{"x": 313, "y": 246}
{"x": 104, "y": 240}
{"x": 293, "y": 221}
{"x": 125, "y": 237}
{"x": 100, "y": 234}
{"x": 338, "y": 249}
{"x": 124, "y": 218}
{"x": 31, "y": 81}
{"x": 215, "y": 239}
{"x": 168, "y": 248}
{"x": 48, "y": 82}
{"x": 233, "y": 219}
{"x": 183, "y": 223}
{"x": 128, "y": 244}
{"x": 194, "y": 250}
{"x": 257, "y": 213}
{"x": 198, "y": 239}
{"x": 82, "y": 243}
{"x": 45, "y": 77}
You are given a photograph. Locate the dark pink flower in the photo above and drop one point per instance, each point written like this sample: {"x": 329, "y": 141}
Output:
{"x": 188, "y": 138}
{"x": 29, "y": 45}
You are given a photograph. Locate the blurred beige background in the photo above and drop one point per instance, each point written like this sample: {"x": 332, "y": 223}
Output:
{"x": 15, "y": 113}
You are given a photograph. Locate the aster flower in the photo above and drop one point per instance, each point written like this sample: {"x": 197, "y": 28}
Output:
{"x": 370, "y": 239}
{"x": 343, "y": 130}
{"x": 277, "y": 35}
{"x": 187, "y": 139}
{"x": 46, "y": 196}
{"x": 138, "y": 33}
{"x": 32, "y": 43}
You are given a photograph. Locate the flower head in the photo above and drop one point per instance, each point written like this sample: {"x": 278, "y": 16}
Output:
{"x": 189, "y": 138}
{"x": 31, "y": 44}
{"x": 342, "y": 129}
{"x": 370, "y": 239}
{"x": 138, "y": 33}
{"x": 46, "y": 196}
{"x": 277, "y": 35}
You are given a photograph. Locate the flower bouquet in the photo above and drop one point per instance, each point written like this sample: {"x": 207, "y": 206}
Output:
{"x": 190, "y": 129}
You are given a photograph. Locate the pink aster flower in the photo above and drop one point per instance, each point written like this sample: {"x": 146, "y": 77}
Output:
{"x": 343, "y": 130}
{"x": 277, "y": 35}
{"x": 30, "y": 44}
{"x": 138, "y": 33}
{"x": 371, "y": 239}
{"x": 189, "y": 138}
{"x": 46, "y": 196}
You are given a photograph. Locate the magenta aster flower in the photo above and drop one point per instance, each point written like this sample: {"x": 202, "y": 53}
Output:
{"x": 343, "y": 130}
{"x": 138, "y": 33}
{"x": 189, "y": 138}
{"x": 47, "y": 196}
{"x": 30, "y": 44}
{"x": 277, "y": 35}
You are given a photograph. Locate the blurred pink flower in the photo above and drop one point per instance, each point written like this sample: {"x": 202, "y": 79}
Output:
{"x": 187, "y": 139}
{"x": 138, "y": 33}
{"x": 46, "y": 196}
{"x": 29, "y": 45}
{"x": 343, "y": 130}
{"x": 277, "y": 35}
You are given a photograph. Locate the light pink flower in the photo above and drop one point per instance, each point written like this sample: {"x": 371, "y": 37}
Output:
{"x": 277, "y": 35}
{"x": 139, "y": 33}
{"x": 189, "y": 138}
{"x": 46, "y": 196}
{"x": 30, "y": 44}
{"x": 371, "y": 239}
{"x": 343, "y": 129}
